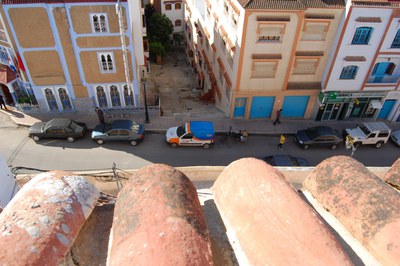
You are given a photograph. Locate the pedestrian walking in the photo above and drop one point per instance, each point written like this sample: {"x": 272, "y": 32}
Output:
{"x": 281, "y": 142}
{"x": 100, "y": 115}
{"x": 278, "y": 116}
{"x": 2, "y": 103}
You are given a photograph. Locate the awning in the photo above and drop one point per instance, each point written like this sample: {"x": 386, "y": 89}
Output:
{"x": 375, "y": 104}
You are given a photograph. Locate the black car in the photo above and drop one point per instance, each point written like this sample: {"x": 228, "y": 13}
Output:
{"x": 285, "y": 160}
{"x": 320, "y": 135}
{"x": 58, "y": 128}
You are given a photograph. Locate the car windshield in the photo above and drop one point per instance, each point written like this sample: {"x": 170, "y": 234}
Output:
{"x": 180, "y": 131}
{"x": 73, "y": 125}
{"x": 107, "y": 127}
{"x": 365, "y": 130}
{"x": 312, "y": 133}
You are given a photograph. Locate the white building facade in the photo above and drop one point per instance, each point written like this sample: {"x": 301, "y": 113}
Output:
{"x": 361, "y": 79}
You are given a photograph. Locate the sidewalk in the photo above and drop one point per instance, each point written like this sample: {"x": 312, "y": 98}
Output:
{"x": 162, "y": 123}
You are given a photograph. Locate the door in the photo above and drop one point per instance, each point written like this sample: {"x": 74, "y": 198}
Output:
{"x": 386, "y": 108}
{"x": 295, "y": 106}
{"x": 261, "y": 107}
{"x": 381, "y": 69}
{"x": 240, "y": 107}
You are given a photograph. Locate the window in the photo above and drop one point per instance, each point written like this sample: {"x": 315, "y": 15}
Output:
{"x": 264, "y": 69}
{"x": 168, "y": 7}
{"x": 349, "y": 72}
{"x": 4, "y": 56}
{"x": 128, "y": 96}
{"x": 396, "y": 41}
{"x": 226, "y": 7}
{"x": 101, "y": 97}
{"x": 106, "y": 62}
{"x": 115, "y": 99}
{"x": 178, "y": 23}
{"x": 17, "y": 90}
{"x": 123, "y": 132}
{"x": 362, "y": 35}
{"x": 315, "y": 31}
{"x": 99, "y": 23}
{"x": 3, "y": 36}
{"x": 178, "y": 6}
{"x": 305, "y": 66}
{"x": 51, "y": 100}
{"x": 268, "y": 32}
{"x": 64, "y": 98}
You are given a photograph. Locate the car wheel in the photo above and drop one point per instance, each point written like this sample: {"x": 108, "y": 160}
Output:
{"x": 378, "y": 145}
{"x": 206, "y": 146}
{"x": 306, "y": 147}
{"x": 100, "y": 141}
{"x": 35, "y": 138}
{"x": 70, "y": 139}
{"x": 133, "y": 142}
{"x": 334, "y": 147}
{"x": 174, "y": 145}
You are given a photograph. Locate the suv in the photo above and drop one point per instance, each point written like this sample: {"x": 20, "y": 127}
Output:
{"x": 373, "y": 133}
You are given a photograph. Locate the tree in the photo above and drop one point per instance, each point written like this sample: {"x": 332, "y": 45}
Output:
{"x": 159, "y": 31}
{"x": 178, "y": 38}
{"x": 158, "y": 49}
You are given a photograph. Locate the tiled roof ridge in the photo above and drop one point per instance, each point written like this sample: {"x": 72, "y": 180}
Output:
{"x": 291, "y": 4}
{"x": 157, "y": 216}
{"x": 19, "y": 2}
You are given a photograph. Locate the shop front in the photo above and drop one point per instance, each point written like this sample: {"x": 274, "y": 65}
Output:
{"x": 349, "y": 105}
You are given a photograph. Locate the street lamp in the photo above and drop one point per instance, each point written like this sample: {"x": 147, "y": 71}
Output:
{"x": 145, "y": 97}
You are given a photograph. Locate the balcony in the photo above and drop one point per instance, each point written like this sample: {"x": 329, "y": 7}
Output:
{"x": 383, "y": 79}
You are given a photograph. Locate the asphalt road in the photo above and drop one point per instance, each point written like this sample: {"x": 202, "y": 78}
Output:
{"x": 83, "y": 154}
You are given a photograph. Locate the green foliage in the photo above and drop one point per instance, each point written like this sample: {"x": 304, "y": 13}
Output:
{"x": 178, "y": 38}
{"x": 157, "y": 48}
{"x": 159, "y": 29}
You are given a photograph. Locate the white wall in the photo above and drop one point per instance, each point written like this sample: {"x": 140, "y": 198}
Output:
{"x": 368, "y": 51}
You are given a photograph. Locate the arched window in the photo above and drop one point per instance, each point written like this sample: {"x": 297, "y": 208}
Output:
{"x": 101, "y": 97}
{"x": 115, "y": 99}
{"x": 64, "y": 97}
{"x": 362, "y": 35}
{"x": 168, "y": 7}
{"x": 96, "y": 23}
{"x": 106, "y": 62}
{"x": 128, "y": 96}
{"x": 396, "y": 41}
{"x": 178, "y": 6}
{"x": 178, "y": 23}
{"x": 103, "y": 23}
{"x": 349, "y": 72}
{"x": 51, "y": 100}
{"x": 99, "y": 22}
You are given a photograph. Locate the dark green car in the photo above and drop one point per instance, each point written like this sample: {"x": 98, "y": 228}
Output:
{"x": 119, "y": 130}
{"x": 58, "y": 128}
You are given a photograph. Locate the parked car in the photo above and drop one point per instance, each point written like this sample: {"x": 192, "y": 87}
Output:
{"x": 119, "y": 130}
{"x": 372, "y": 133}
{"x": 320, "y": 135}
{"x": 194, "y": 133}
{"x": 58, "y": 128}
{"x": 285, "y": 160}
{"x": 395, "y": 137}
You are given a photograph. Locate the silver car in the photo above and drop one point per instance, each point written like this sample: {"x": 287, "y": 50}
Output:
{"x": 395, "y": 137}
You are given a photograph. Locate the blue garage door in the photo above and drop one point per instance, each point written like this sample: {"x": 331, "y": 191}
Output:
{"x": 386, "y": 108}
{"x": 295, "y": 106}
{"x": 240, "y": 107}
{"x": 261, "y": 107}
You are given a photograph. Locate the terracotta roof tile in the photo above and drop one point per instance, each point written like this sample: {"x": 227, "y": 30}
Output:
{"x": 40, "y": 224}
{"x": 158, "y": 221}
{"x": 392, "y": 177}
{"x": 263, "y": 213}
{"x": 362, "y": 202}
{"x": 291, "y": 4}
{"x": 254, "y": 200}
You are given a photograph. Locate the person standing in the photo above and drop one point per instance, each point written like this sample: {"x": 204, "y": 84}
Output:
{"x": 100, "y": 115}
{"x": 278, "y": 116}
{"x": 282, "y": 140}
{"x": 2, "y": 103}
